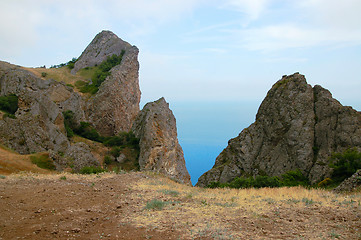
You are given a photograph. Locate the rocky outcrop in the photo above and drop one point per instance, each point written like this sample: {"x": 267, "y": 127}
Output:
{"x": 116, "y": 104}
{"x": 296, "y": 127}
{"x": 104, "y": 45}
{"x": 39, "y": 124}
{"x": 350, "y": 184}
{"x": 160, "y": 151}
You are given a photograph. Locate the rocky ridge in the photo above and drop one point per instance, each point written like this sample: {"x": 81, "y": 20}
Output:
{"x": 39, "y": 122}
{"x": 297, "y": 127}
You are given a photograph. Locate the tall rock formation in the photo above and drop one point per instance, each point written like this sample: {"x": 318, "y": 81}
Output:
{"x": 296, "y": 127}
{"x": 38, "y": 124}
{"x": 160, "y": 151}
{"x": 116, "y": 104}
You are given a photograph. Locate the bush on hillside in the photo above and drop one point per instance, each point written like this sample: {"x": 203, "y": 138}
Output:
{"x": 101, "y": 73}
{"x": 9, "y": 103}
{"x": 345, "y": 164}
{"x": 291, "y": 178}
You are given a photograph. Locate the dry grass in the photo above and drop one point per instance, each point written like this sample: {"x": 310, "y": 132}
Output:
{"x": 277, "y": 213}
{"x": 161, "y": 205}
{"x": 12, "y": 162}
{"x": 63, "y": 75}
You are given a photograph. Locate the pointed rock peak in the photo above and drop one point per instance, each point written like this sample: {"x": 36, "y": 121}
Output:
{"x": 104, "y": 45}
{"x": 293, "y": 80}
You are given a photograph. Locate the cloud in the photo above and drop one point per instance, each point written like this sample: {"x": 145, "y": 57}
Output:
{"x": 24, "y": 24}
{"x": 286, "y": 36}
{"x": 303, "y": 24}
{"x": 251, "y": 8}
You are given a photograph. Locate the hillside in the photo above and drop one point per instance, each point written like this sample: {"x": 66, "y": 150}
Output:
{"x": 149, "y": 206}
{"x": 12, "y": 162}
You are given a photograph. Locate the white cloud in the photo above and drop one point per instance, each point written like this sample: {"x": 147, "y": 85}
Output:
{"x": 310, "y": 23}
{"x": 24, "y": 24}
{"x": 251, "y": 8}
{"x": 343, "y": 14}
{"x": 285, "y": 36}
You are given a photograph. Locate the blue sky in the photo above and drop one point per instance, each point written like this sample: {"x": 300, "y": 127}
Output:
{"x": 213, "y": 61}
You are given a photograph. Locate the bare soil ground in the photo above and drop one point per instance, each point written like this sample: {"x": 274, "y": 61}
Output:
{"x": 149, "y": 206}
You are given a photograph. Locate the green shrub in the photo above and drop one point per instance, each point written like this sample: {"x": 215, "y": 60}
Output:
{"x": 294, "y": 178}
{"x": 2, "y": 177}
{"x": 63, "y": 178}
{"x": 345, "y": 164}
{"x": 266, "y": 181}
{"x": 43, "y": 161}
{"x": 291, "y": 178}
{"x": 107, "y": 160}
{"x": 9, "y": 103}
{"x": 91, "y": 170}
{"x": 9, "y": 115}
{"x": 101, "y": 73}
{"x": 44, "y": 74}
{"x": 71, "y": 63}
{"x": 86, "y": 130}
{"x": 122, "y": 139}
{"x": 69, "y": 123}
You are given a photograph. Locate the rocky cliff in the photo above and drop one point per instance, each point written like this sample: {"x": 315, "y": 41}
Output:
{"x": 116, "y": 104}
{"x": 38, "y": 124}
{"x": 160, "y": 151}
{"x": 297, "y": 127}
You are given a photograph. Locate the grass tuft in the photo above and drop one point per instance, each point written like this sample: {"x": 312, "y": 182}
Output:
{"x": 155, "y": 204}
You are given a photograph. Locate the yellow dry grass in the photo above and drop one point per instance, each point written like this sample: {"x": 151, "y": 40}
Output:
{"x": 63, "y": 75}
{"x": 12, "y": 162}
{"x": 235, "y": 213}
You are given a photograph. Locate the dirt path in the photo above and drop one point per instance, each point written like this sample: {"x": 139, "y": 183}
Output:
{"x": 78, "y": 207}
{"x": 110, "y": 206}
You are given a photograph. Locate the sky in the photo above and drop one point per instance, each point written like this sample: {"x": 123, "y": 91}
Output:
{"x": 213, "y": 61}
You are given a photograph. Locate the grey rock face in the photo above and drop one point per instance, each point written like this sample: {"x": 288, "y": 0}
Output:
{"x": 39, "y": 123}
{"x": 160, "y": 151}
{"x": 114, "y": 107}
{"x": 116, "y": 104}
{"x": 104, "y": 45}
{"x": 351, "y": 183}
{"x": 296, "y": 127}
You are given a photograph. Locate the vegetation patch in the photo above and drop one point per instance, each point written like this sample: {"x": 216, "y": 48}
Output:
{"x": 101, "y": 72}
{"x": 155, "y": 204}
{"x": 9, "y": 104}
{"x": 124, "y": 143}
{"x": 291, "y": 178}
{"x": 69, "y": 64}
{"x": 345, "y": 164}
{"x": 42, "y": 160}
{"x": 91, "y": 170}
